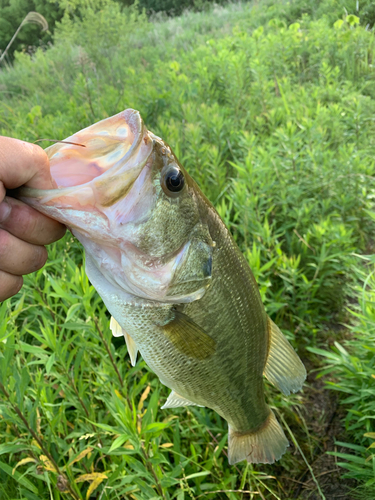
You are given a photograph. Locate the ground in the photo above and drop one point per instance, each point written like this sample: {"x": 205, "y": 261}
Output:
{"x": 323, "y": 416}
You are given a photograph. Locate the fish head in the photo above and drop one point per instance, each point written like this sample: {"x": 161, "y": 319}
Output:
{"x": 124, "y": 195}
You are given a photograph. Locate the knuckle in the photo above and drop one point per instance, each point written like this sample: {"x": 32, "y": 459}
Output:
{"x": 40, "y": 156}
{"x": 29, "y": 222}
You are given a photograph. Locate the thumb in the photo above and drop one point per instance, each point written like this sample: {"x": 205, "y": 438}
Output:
{"x": 24, "y": 163}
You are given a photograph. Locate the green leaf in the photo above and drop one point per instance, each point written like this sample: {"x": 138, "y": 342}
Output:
{"x": 119, "y": 441}
{"x": 39, "y": 352}
{"x": 50, "y": 363}
{"x": 72, "y": 311}
{"x": 21, "y": 479}
{"x": 156, "y": 427}
{"x": 198, "y": 474}
{"x": 322, "y": 352}
{"x": 11, "y": 448}
{"x": 352, "y": 19}
{"x": 338, "y": 24}
{"x": 75, "y": 326}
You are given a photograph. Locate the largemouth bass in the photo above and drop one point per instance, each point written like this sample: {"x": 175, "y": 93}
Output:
{"x": 172, "y": 277}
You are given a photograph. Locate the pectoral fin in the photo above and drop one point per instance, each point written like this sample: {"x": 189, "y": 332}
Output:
{"x": 283, "y": 368}
{"x": 117, "y": 331}
{"x": 175, "y": 401}
{"x": 189, "y": 338}
{"x": 115, "y": 328}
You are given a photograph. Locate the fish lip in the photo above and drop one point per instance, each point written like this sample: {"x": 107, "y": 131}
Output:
{"x": 135, "y": 122}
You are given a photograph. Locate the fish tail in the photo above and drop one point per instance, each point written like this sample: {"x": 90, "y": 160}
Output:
{"x": 264, "y": 446}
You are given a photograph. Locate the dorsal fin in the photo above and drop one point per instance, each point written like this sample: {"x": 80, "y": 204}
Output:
{"x": 283, "y": 367}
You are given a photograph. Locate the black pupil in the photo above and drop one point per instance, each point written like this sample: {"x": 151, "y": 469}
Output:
{"x": 175, "y": 181}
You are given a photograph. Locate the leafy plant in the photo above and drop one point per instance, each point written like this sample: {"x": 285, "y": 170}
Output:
{"x": 353, "y": 367}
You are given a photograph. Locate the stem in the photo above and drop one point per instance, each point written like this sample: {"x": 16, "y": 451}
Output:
{"x": 88, "y": 93}
{"x": 46, "y": 304}
{"x": 53, "y": 315}
{"x": 151, "y": 469}
{"x": 109, "y": 353}
{"x": 225, "y": 453}
{"x": 79, "y": 397}
{"x": 303, "y": 456}
{"x": 11, "y": 41}
{"x": 228, "y": 491}
{"x": 39, "y": 441}
{"x": 82, "y": 404}
{"x": 113, "y": 363}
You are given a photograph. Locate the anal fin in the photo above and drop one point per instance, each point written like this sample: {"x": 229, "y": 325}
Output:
{"x": 175, "y": 401}
{"x": 283, "y": 367}
{"x": 117, "y": 331}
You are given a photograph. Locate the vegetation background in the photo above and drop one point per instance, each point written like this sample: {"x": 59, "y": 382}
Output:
{"x": 270, "y": 106}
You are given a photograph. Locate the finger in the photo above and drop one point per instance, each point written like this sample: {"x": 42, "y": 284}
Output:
{"x": 28, "y": 224}
{"x": 9, "y": 285}
{"x": 19, "y": 257}
{"x": 24, "y": 163}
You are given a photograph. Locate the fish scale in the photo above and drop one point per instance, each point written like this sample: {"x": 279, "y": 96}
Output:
{"x": 247, "y": 346}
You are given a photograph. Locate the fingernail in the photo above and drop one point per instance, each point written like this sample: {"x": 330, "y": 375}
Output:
{"x": 5, "y": 209}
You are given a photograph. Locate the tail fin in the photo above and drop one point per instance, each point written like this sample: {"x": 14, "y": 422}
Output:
{"x": 264, "y": 446}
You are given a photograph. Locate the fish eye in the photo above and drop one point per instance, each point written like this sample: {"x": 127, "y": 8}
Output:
{"x": 172, "y": 181}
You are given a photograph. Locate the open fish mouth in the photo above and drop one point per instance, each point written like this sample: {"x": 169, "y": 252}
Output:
{"x": 99, "y": 168}
{"x": 108, "y": 183}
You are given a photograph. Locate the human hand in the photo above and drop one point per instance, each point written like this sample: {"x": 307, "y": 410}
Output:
{"x": 23, "y": 230}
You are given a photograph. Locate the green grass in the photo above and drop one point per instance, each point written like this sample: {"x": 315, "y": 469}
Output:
{"x": 270, "y": 107}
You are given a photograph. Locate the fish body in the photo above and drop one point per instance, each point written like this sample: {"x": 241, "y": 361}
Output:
{"x": 172, "y": 277}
